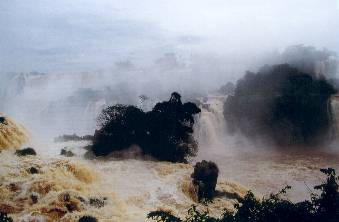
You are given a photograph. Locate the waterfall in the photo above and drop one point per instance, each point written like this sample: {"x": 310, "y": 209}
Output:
{"x": 210, "y": 127}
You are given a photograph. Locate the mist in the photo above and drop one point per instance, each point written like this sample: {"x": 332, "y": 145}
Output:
{"x": 61, "y": 58}
{"x": 83, "y": 35}
{"x": 179, "y": 82}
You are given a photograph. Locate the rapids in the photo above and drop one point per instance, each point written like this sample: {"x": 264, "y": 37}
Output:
{"x": 132, "y": 187}
{"x": 262, "y": 168}
{"x": 12, "y": 134}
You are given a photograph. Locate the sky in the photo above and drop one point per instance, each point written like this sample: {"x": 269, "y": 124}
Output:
{"x": 80, "y": 35}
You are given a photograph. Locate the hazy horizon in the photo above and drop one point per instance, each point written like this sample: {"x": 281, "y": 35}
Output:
{"x": 76, "y": 36}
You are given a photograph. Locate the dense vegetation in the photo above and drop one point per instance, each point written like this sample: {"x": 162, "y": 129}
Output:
{"x": 204, "y": 178}
{"x": 323, "y": 207}
{"x": 283, "y": 104}
{"x": 165, "y": 132}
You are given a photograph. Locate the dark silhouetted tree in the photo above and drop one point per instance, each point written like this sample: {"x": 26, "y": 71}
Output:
{"x": 205, "y": 176}
{"x": 122, "y": 126}
{"x": 164, "y": 133}
{"x": 281, "y": 103}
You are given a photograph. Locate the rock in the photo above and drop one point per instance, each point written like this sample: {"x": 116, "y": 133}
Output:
{"x": 2, "y": 120}
{"x": 71, "y": 207}
{"x": 25, "y": 152}
{"x": 96, "y": 202}
{"x": 14, "y": 187}
{"x": 33, "y": 170}
{"x": 66, "y": 197}
{"x": 81, "y": 199}
{"x": 34, "y": 198}
{"x": 87, "y": 219}
{"x": 66, "y": 153}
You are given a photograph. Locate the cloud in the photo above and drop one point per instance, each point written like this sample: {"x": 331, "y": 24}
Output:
{"x": 47, "y": 35}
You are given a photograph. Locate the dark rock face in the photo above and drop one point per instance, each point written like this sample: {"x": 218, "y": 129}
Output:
{"x": 25, "y": 152}
{"x": 2, "y": 120}
{"x": 283, "y": 104}
{"x": 87, "y": 219}
{"x": 66, "y": 153}
{"x": 33, "y": 170}
{"x": 34, "y": 198}
{"x": 205, "y": 178}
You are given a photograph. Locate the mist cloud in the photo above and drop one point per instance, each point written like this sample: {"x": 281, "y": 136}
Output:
{"x": 79, "y": 35}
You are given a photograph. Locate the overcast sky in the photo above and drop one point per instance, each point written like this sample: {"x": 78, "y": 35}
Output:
{"x": 53, "y": 35}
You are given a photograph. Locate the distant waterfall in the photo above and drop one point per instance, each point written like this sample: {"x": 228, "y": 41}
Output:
{"x": 335, "y": 113}
{"x": 210, "y": 128}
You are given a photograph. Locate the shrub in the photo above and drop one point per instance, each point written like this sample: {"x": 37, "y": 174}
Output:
{"x": 164, "y": 133}
{"x": 205, "y": 178}
{"x": 327, "y": 203}
{"x": 323, "y": 207}
{"x": 281, "y": 103}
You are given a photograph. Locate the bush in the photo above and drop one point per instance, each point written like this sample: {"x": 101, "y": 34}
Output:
{"x": 283, "y": 104}
{"x": 275, "y": 208}
{"x": 205, "y": 178}
{"x": 164, "y": 133}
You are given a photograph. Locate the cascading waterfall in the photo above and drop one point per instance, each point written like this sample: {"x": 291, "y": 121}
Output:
{"x": 335, "y": 113}
{"x": 210, "y": 127}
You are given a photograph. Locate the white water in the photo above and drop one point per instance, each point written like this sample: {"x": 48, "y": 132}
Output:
{"x": 210, "y": 128}
{"x": 262, "y": 168}
{"x": 141, "y": 185}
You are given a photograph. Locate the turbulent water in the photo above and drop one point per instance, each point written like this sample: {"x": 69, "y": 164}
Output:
{"x": 12, "y": 134}
{"x": 263, "y": 169}
{"x": 124, "y": 190}
{"x": 129, "y": 188}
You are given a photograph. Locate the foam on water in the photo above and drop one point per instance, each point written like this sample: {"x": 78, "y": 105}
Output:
{"x": 12, "y": 134}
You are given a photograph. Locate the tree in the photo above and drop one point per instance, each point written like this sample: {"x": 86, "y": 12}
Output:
{"x": 165, "y": 132}
{"x": 327, "y": 203}
{"x": 205, "y": 178}
{"x": 122, "y": 126}
{"x": 283, "y": 104}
